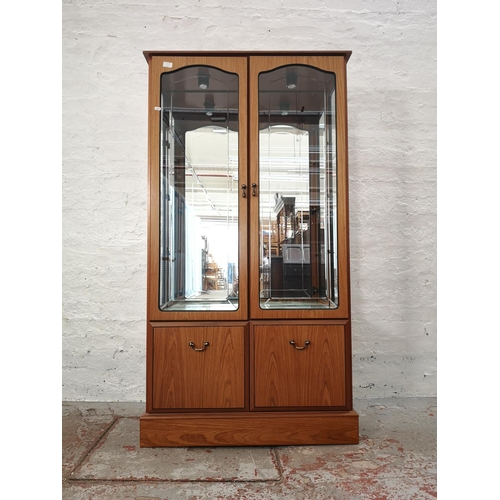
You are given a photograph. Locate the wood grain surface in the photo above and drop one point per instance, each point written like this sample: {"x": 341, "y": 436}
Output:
{"x": 247, "y": 429}
{"x": 285, "y": 376}
{"x": 212, "y": 378}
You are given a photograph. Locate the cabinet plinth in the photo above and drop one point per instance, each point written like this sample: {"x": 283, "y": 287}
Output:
{"x": 248, "y": 429}
{"x": 248, "y": 327}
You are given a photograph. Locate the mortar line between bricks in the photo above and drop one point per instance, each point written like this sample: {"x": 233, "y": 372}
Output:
{"x": 94, "y": 446}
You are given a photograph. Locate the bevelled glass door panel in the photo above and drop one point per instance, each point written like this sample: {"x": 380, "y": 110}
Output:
{"x": 297, "y": 195}
{"x": 296, "y": 167}
{"x": 199, "y": 191}
{"x": 200, "y": 259}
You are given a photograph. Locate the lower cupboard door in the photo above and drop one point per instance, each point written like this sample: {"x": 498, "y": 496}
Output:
{"x": 299, "y": 366}
{"x": 198, "y": 367}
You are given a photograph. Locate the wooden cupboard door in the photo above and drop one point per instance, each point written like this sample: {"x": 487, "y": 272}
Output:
{"x": 189, "y": 374}
{"x": 309, "y": 373}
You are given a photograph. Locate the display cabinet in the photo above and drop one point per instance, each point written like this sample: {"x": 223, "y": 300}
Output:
{"x": 248, "y": 308}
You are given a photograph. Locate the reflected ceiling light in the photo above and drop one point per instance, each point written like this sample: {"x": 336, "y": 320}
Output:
{"x": 284, "y": 107}
{"x": 203, "y": 81}
{"x": 209, "y": 105}
{"x": 291, "y": 80}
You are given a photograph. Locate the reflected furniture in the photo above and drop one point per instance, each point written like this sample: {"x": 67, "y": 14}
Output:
{"x": 248, "y": 307}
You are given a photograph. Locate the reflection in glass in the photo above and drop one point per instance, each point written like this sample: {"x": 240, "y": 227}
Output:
{"x": 199, "y": 190}
{"x": 297, "y": 189}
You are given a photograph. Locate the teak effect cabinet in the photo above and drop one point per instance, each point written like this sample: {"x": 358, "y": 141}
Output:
{"x": 248, "y": 331}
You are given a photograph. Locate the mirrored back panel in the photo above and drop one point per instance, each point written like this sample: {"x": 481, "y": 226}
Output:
{"x": 199, "y": 190}
{"x": 297, "y": 189}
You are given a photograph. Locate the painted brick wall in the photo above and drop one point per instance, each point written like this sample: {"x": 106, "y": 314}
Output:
{"x": 392, "y": 151}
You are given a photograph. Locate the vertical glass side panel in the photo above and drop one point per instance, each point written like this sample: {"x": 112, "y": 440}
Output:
{"x": 199, "y": 190}
{"x": 297, "y": 189}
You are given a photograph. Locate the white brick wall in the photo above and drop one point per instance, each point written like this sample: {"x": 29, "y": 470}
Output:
{"x": 392, "y": 151}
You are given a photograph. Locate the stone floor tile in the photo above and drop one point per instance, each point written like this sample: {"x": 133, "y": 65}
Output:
{"x": 119, "y": 457}
{"x": 80, "y": 432}
{"x": 398, "y": 440}
{"x": 371, "y": 458}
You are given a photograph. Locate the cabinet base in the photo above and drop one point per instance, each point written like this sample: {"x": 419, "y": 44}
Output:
{"x": 255, "y": 429}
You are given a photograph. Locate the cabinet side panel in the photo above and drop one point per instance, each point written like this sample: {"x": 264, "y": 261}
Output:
{"x": 149, "y": 367}
{"x": 153, "y": 185}
{"x": 348, "y": 365}
{"x": 342, "y": 192}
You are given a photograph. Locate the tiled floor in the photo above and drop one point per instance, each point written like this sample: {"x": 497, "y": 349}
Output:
{"x": 395, "y": 459}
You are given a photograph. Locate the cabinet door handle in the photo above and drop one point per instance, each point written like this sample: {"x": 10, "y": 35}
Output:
{"x": 244, "y": 190}
{"x": 306, "y": 343}
{"x": 205, "y": 345}
{"x": 254, "y": 189}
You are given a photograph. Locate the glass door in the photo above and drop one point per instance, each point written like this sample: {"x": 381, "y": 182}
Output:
{"x": 296, "y": 195}
{"x": 201, "y": 144}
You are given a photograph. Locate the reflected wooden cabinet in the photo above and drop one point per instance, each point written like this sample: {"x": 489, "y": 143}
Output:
{"x": 248, "y": 328}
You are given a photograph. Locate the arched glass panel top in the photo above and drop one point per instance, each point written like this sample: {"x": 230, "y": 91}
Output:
{"x": 199, "y": 190}
{"x": 297, "y": 189}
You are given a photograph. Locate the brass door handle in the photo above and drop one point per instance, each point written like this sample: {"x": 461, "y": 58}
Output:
{"x": 306, "y": 343}
{"x": 244, "y": 190}
{"x": 254, "y": 189}
{"x": 205, "y": 345}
